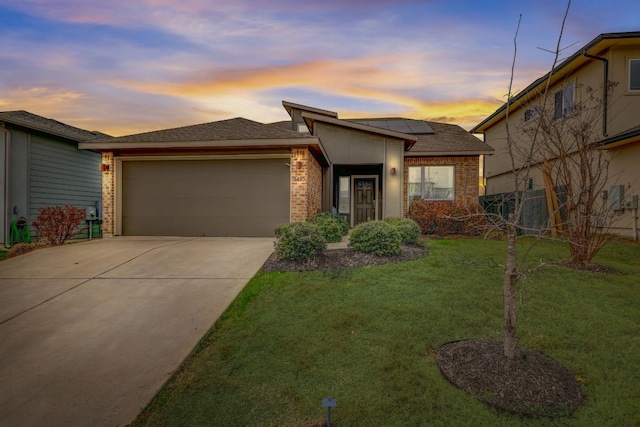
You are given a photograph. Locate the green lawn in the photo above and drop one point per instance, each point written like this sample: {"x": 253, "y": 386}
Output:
{"x": 366, "y": 337}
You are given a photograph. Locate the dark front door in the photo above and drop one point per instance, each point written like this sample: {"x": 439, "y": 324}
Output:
{"x": 365, "y": 200}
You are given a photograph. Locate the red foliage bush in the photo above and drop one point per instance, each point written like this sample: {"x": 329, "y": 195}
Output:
{"x": 441, "y": 217}
{"x": 56, "y": 224}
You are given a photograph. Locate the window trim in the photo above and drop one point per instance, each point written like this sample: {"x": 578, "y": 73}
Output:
{"x": 347, "y": 181}
{"x": 636, "y": 90}
{"x": 422, "y": 178}
{"x": 565, "y": 112}
{"x": 531, "y": 113}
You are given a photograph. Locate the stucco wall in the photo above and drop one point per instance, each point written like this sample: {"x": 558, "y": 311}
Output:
{"x": 348, "y": 146}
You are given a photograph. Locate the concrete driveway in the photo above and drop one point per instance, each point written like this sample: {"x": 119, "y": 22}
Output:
{"x": 90, "y": 331}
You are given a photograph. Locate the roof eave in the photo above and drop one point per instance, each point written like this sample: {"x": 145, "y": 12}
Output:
{"x": 620, "y": 140}
{"x": 42, "y": 129}
{"x": 497, "y": 115}
{"x": 234, "y": 143}
{"x": 410, "y": 140}
{"x": 290, "y": 106}
{"x": 448, "y": 153}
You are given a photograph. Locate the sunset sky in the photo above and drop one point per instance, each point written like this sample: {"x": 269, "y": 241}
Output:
{"x": 129, "y": 66}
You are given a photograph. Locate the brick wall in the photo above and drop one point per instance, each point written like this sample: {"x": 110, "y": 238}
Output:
{"x": 108, "y": 195}
{"x": 466, "y": 175}
{"x": 306, "y": 185}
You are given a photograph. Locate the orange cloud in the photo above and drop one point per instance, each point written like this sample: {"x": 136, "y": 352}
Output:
{"x": 363, "y": 78}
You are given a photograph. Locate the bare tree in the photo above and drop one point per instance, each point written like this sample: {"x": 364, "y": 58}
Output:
{"x": 573, "y": 162}
{"x": 523, "y": 158}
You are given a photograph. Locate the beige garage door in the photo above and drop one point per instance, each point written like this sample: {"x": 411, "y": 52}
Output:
{"x": 204, "y": 197}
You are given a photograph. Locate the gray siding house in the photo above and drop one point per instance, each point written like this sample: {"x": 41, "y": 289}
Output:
{"x": 40, "y": 165}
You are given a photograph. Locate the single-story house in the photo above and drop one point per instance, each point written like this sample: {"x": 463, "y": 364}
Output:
{"x": 40, "y": 165}
{"x": 238, "y": 177}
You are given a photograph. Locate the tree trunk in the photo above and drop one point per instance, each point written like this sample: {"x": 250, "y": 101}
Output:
{"x": 509, "y": 293}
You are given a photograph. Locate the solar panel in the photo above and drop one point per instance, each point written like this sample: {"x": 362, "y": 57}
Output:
{"x": 410, "y": 126}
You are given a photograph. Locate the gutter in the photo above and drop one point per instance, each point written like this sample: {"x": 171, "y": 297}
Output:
{"x": 605, "y": 90}
{"x": 7, "y": 188}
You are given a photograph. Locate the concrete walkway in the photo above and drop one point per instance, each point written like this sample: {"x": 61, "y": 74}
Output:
{"x": 90, "y": 331}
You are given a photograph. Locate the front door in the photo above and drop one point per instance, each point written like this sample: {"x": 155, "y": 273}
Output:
{"x": 364, "y": 200}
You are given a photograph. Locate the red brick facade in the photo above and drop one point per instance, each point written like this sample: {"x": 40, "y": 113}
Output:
{"x": 306, "y": 185}
{"x": 466, "y": 176}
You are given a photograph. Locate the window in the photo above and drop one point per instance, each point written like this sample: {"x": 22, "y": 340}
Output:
{"x": 344, "y": 198}
{"x": 531, "y": 113}
{"x": 563, "y": 100}
{"x": 431, "y": 183}
{"x": 634, "y": 74}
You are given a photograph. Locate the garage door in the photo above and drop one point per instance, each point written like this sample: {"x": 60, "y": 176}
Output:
{"x": 204, "y": 197}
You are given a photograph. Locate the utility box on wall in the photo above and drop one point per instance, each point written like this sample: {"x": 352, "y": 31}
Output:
{"x": 616, "y": 198}
{"x": 91, "y": 214}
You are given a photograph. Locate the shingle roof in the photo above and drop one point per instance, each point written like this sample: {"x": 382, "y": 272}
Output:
{"x": 50, "y": 126}
{"x": 238, "y": 128}
{"x": 449, "y": 138}
{"x": 433, "y": 137}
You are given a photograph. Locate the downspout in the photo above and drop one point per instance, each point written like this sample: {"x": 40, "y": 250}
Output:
{"x": 7, "y": 188}
{"x": 605, "y": 90}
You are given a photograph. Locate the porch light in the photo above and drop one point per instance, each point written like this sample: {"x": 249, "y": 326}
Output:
{"x": 299, "y": 164}
{"x": 104, "y": 167}
{"x": 393, "y": 171}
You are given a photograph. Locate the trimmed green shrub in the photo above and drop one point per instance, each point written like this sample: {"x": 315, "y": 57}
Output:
{"x": 299, "y": 241}
{"x": 409, "y": 229}
{"x": 377, "y": 237}
{"x": 331, "y": 226}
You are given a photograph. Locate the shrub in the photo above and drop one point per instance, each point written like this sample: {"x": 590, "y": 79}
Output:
{"x": 377, "y": 237}
{"x": 409, "y": 229}
{"x": 299, "y": 241}
{"x": 56, "y": 224}
{"x": 443, "y": 217}
{"x": 331, "y": 226}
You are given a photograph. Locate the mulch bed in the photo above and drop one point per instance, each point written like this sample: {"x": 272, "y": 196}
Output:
{"x": 533, "y": 384}
{"x": 338, "y": 259}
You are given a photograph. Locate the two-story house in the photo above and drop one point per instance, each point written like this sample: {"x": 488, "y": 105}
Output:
{"x": 605, "y": 71}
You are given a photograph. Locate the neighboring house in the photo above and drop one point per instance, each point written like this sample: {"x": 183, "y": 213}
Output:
{"x": 612, "y": 57}
{"x": 238, "y": 177}
{"x": 40, "y": 165}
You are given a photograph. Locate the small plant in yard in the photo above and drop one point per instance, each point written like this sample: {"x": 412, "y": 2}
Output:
{"x": 57, "y": 224}
{"x": 332, "y": 226}
{"x": 409, "y": 229}
{"x": 377, "y": 237}
{"x": 299, "y": 241}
